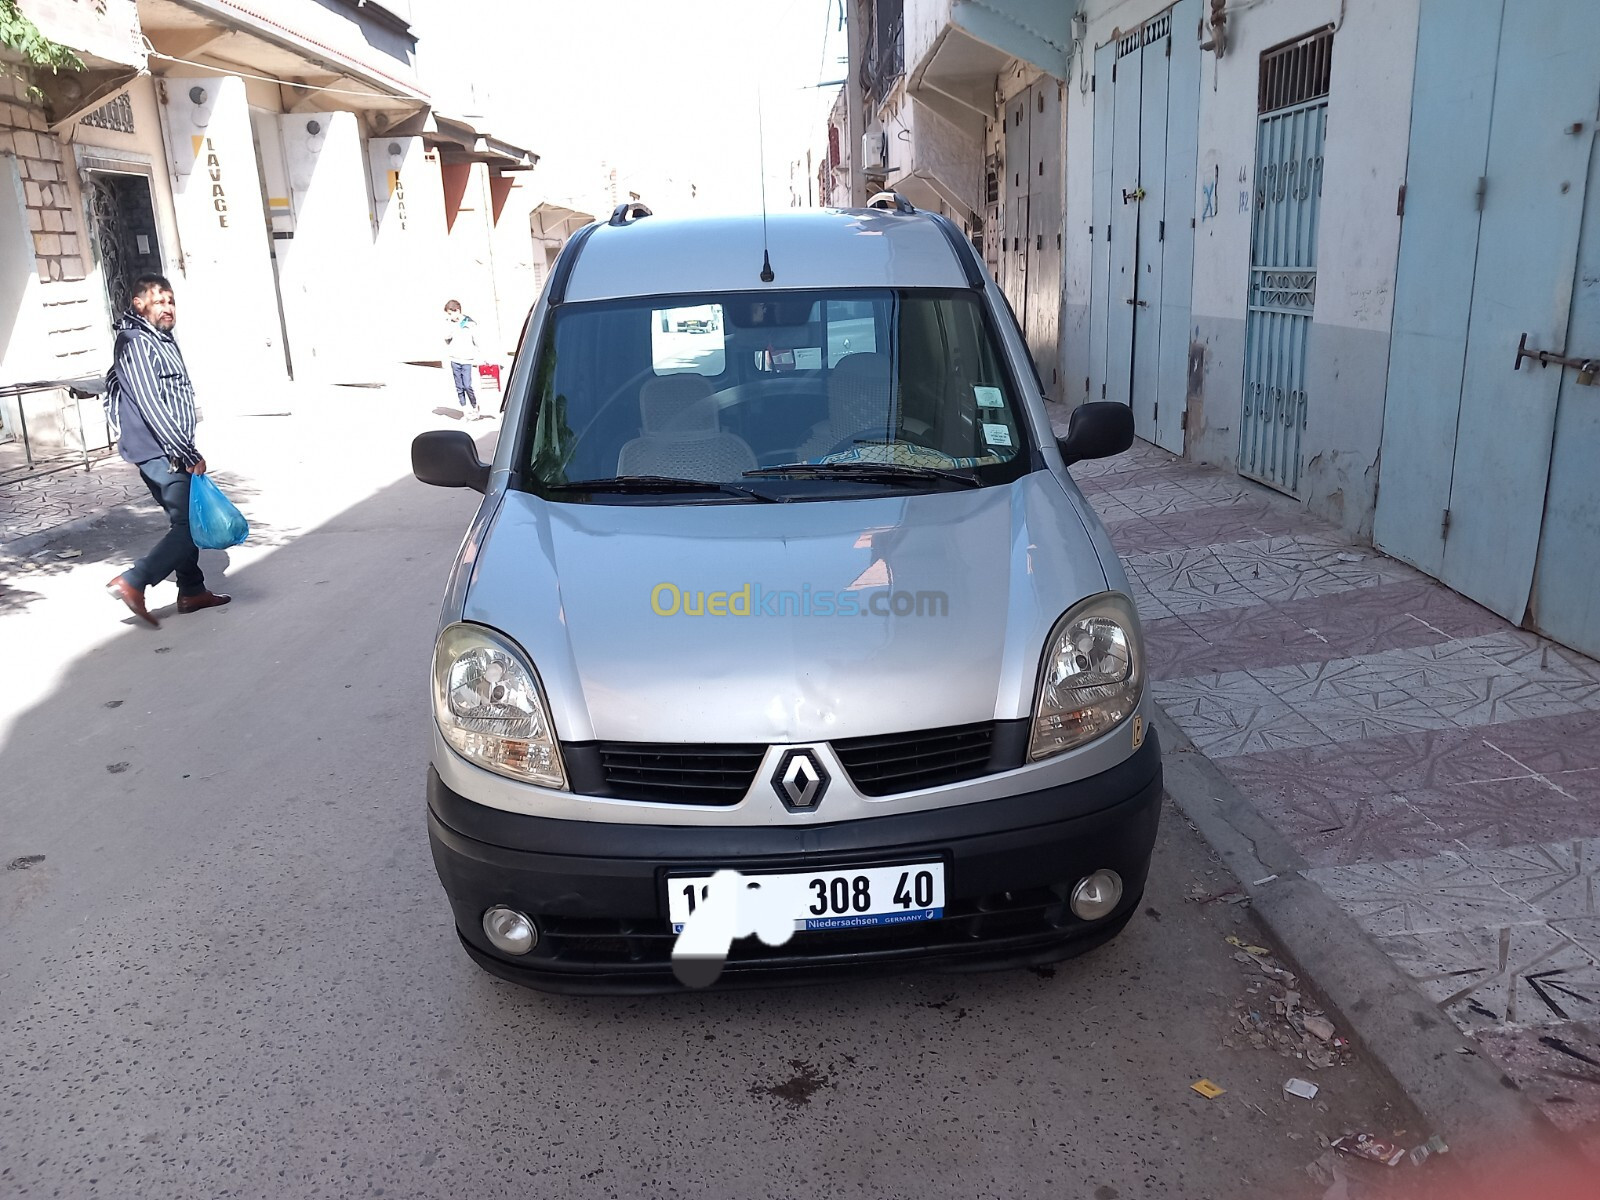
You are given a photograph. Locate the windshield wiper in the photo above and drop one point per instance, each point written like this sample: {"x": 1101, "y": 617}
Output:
{"x": 656, "y": 484}
{"x": 870, "y": 471}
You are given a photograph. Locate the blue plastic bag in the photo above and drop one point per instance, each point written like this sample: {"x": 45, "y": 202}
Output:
{"x": 214, "y": 523}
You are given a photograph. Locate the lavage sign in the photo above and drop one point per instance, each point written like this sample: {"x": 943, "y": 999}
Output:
{"x": 219, "y": 196}
{"x": 752, "y": 600}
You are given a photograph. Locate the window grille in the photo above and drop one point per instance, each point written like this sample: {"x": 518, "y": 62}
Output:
{"x": 886, "y": 54}
{"x": 1296, "y": 72}
{"x": 115, "y": 114}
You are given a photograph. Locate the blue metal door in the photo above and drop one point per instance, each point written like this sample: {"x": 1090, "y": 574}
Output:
{"x": 1122, "y": 229}
{"x": 1566, "y": 582}
{"x": 1100, "y": 224}
{"x": 1014, "y": 243}
{"x": 1146, "y": 139}
{"x": 1177, "y": 225}
{"x": 1149, "y": 210}
{"x": 1451, "y": 99}
{"x": 1477, "y": 487}
{"x": 1283, "y": 260}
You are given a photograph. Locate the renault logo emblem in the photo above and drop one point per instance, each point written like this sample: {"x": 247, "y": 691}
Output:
{"x": 800, "y": 781}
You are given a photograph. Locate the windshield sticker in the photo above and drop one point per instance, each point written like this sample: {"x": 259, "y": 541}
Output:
{"x": 989, "y": 397}
{"x": 996, "y": 435}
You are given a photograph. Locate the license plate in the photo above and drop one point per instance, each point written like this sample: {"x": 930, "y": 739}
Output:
{"x": 842, "y": 899}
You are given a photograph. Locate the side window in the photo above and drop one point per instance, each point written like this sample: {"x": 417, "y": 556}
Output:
{"x": 851, "y": 329}
{"x": 687, "y": 340}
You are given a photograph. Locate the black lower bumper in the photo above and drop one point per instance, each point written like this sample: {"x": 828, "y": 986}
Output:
{"x": 598, "y": 890}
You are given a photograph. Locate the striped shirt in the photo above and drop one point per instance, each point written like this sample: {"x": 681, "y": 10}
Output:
{"x": 148, "y": 395}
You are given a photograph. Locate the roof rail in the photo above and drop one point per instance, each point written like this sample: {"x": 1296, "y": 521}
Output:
{"x": 621, "y": 213}
{"x": 891, "y": 199}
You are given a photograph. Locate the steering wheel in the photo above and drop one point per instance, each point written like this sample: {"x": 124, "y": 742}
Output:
{"x": 875, "y": 435}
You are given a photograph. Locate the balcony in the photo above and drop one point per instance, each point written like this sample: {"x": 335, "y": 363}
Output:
{"x": 961, "y": 51}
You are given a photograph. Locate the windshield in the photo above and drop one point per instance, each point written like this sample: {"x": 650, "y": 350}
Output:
{"x": 836, "y": 386}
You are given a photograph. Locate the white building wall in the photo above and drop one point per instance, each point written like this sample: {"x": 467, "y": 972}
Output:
{"x": 924, "y": 21}
{"x": 228, "y": 315}
{"x": 408, "y": 214}
{"x": 328, "y": 271}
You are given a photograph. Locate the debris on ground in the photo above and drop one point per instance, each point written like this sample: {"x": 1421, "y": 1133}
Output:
{"x": 69, "y": 553}
{"x": 1207, "y": 1089}
{"x": 1274, "y": 1015}
{"x": 1248, "y": 949}
{"x": 1370, "y": 1147}
{"x": 1302, "y": 1088}
{"x": 1233, "y": 895}
{"x": 1434, "y": 1145}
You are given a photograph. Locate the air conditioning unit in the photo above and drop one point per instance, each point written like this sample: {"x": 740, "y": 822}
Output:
{"x": 875, "y": 151}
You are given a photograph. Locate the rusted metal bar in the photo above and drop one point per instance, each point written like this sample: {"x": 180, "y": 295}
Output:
{"x": 1546, "y": 357}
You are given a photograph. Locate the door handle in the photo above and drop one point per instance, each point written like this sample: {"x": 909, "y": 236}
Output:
{"x": 1140, "y": 303}
{"x": 1586, "y": 367}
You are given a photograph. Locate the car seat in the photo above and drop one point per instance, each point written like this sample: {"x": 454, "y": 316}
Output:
{"x": 679, "y": 434}
{"x": 860, "y": 400}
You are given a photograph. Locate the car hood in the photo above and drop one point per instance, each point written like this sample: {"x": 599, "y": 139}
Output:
{"x": 793, "y": 622}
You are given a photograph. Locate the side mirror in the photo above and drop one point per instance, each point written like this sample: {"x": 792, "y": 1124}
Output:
{"x": 1097, "y": 430}
{"x": 448, "y": 458}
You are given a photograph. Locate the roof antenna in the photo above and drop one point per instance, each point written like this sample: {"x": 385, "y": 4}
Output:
{"x": 761, "y": 141}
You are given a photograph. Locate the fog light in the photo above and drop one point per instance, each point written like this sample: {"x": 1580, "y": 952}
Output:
{"x": 510, "y": 931}
{"x": 1096, "y": 895}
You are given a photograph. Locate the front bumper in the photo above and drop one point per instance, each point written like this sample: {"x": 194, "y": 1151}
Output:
{"x": 598, "y": 890}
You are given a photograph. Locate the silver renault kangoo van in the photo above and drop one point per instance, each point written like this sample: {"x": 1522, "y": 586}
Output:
{"x": 779, "y": 569}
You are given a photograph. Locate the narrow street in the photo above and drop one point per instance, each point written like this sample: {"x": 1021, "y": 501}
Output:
{"x": 227, "y": 968}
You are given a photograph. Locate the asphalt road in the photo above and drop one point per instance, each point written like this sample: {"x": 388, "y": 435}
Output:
{"x": 227, "y": 968}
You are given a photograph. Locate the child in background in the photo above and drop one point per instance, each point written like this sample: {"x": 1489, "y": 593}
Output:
{"x": 461, "y": 347}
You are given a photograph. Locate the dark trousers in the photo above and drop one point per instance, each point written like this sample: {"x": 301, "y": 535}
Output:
{"x": 176, "y": 553}
{"x": 465, "y": 396}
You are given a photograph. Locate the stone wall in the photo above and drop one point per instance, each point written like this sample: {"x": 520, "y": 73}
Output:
{"x": 53, "y": 212}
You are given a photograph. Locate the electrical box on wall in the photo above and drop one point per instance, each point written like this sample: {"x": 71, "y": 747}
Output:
{"x": 875, "y": 150}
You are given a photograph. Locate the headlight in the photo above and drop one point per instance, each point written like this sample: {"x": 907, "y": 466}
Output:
{"x": 489, "y": 706}
{"x": 1091, "y": 677}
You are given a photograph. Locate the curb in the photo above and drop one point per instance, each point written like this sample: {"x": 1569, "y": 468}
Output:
{"x": 1466, "y": 1099}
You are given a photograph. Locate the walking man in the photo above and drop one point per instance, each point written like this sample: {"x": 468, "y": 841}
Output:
{"x": 461, "y": 344}
{"x": 151, "y": 404}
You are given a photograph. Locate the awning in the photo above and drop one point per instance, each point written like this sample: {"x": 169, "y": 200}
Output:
{"x": 554, "y": 223}
{"x": 378, "y": 76}
{"x": 956, "y": 77}
{"x": 459, "y": 141}
{"x": 111, "y": 51}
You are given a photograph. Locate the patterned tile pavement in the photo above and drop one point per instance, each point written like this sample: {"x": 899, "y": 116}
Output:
{"x": 1438, "y": 767}
{"x": 36, "y": 503}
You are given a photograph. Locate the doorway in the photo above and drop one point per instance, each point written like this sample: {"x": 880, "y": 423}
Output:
{"x": 122, "y": 218}
{"x": 1291, "y": 129}
{"x": 1031, "y": 236}
{"x": 1488, "y": 479}
{"x": 1146, "y": 144}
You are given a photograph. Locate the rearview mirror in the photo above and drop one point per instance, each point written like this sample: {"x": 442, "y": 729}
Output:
{"x": 448, "y": 458}
{"x": 1096, "y": 430}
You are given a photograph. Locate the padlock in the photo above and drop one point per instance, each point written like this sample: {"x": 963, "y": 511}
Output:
{"x": 1586, "y": 373}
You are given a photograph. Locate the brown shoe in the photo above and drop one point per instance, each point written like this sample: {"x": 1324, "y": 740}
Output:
{"x": 133, "y": 597}
{"x": 189, "y": 604}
